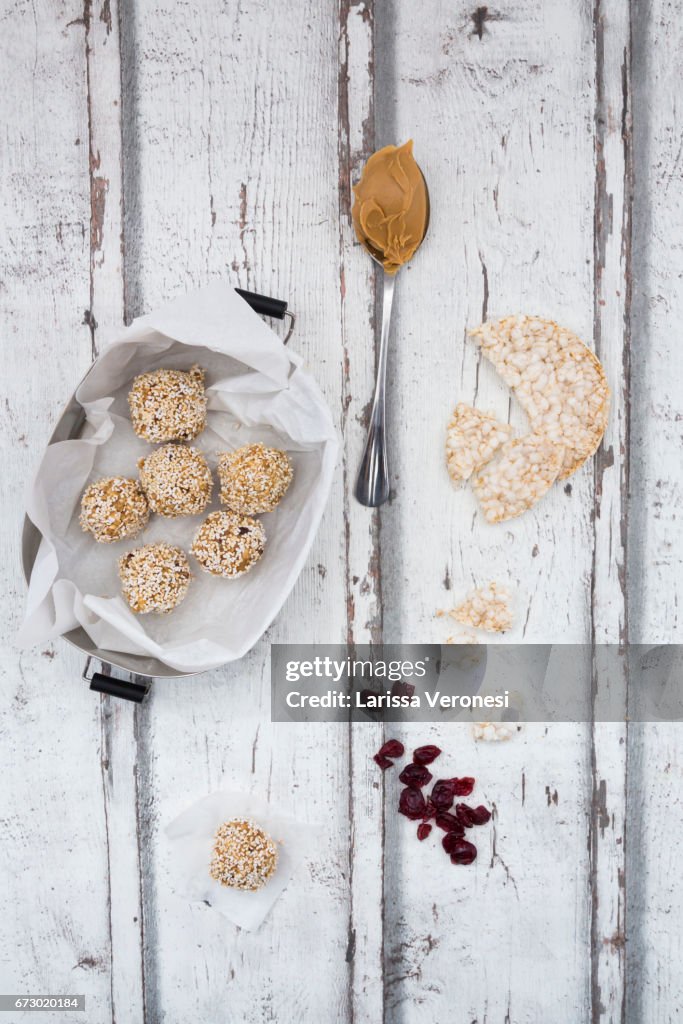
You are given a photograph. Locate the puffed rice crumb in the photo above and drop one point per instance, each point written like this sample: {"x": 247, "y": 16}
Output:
{"x": 463, "y": 638}
{"x": 492, "y": 732}
{"x": 486, "y": 608}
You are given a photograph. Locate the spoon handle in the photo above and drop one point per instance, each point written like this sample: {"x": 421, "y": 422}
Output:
{"x": 372, "y": 484}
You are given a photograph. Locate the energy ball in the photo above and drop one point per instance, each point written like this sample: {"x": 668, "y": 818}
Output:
{"x": 228, "y": 544}
{"x": 176, "y": 480}
{"x": 254, "y": 479}
{"x": 154, "y": 578}
{"x": 244, "y": 856}
{"x": 168, "y": 405}
{"x": 113, "y": 508}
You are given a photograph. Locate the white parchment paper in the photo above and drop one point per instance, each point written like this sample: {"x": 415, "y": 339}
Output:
{"x": 191, "y": 836}
{"x": 257, "y": 391}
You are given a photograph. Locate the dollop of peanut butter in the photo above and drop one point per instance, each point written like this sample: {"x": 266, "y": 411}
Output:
{"x": 390, "y": 208}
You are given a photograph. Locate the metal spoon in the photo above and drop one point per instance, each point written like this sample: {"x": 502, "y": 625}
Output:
{"x": 372, "y": 483}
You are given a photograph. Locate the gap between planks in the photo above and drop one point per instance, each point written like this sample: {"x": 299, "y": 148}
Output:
{"x": 120, "y": 722}
{"x": 609, "y": 617}
{"x": 357, "y": 282}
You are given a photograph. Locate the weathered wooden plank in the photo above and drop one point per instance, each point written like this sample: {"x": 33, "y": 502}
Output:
{"x": 103, "y": 55}
{"x": 235, "y": 169}
{"x": 105, "y": 319}
{"x": 612, "y": 280}
{"x": 655, "y": 541}
{"x": 54, "y": 921}
{"x": 359, "y": 334}
{"x": 500, "y": 103}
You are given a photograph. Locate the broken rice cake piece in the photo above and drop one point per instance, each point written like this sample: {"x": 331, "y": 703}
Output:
{"x": 526, "y": 468}
{"x": 472, "y": 437}
{"x": 486, "y": 608}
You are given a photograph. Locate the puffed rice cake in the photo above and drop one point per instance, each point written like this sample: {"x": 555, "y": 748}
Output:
{"x": 557, "y": 380}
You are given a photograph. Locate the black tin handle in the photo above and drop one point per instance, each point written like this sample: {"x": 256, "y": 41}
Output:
{"x": 264, "y": 305}
{"x": 118, "y": 687}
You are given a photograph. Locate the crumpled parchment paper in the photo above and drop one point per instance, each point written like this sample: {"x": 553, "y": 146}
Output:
{"x": 257, "y": 391}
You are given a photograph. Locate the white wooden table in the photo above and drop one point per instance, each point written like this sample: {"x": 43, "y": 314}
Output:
{"x": 151, "y": 146}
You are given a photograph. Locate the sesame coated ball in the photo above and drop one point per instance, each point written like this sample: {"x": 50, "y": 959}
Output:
{"x": 176, "y": 480}
{"x": 228, "y": 544}
{"x": 113, "y": 508}
{"x": 168, "y": 405}
{"x": 244, "y": 856}
{"x": 154, "y": 578}
{"x": 254, "y": 479}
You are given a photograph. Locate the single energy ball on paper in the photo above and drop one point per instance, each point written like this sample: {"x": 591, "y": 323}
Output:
{"x": 154, "y": 578}
{"x": 168, "y": 405}
{"x": 113, "y": 508}
{"x": 244, "y": 856}
{"x": 228, "y": 544}
{"x": 176, "y": 480}
{"x": 254, "y": 479}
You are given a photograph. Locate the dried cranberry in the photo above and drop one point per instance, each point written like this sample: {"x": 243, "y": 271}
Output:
{"x": 449, "y": 823}
{"x": 462, "y": 787}
{"x": 450, "y": 841}
{"x": 430, "y": 809}
{"x": 442, "y": 794}
{"x": 393, "y": 748}
{"x": 383, "y": 761}
{"x": 480, "y": 815}
{"x": 412, "y": 803}
{"x": 423, "y": 831}
{"x": 463, "y": 852}
{"x": 463, "y": 813}
{"x": 425, "y": 755}
{"x": 415, "y": 775}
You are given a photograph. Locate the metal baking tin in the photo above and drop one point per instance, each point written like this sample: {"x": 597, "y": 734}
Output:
{"x": 121, "y": 675}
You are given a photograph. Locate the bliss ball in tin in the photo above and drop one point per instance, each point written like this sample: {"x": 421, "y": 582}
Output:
{"x": 228, "y": 544}
{"x": 254, "y": 479}
{"x": 168, "y": 405}
{"x": 113, "y": 508}
{"x": 154, "y": 578}
{"x": 176, "y": 480}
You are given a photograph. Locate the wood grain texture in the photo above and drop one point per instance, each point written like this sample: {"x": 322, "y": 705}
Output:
{"x": 232, "y": 117}
{"x": 612, "y": 272}
{"x": 655, "y": 907}
{"x": 502, "y": 113}
{"x": 365, "y": 950}
{"x": 54, "y": 920}
{"x": 107, "y": 312}
{"x": 243, "y": 127}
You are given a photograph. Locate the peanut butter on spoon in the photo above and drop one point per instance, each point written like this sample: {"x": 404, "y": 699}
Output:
{"x": 391, "y": 208}
{"x": 391, "y": 217}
